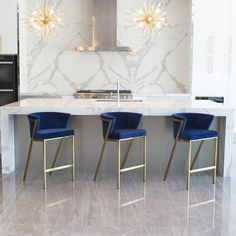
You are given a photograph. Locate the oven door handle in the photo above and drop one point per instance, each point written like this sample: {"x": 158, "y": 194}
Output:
{"x": 6, "y": 90}
{"x": 6, "y": 62}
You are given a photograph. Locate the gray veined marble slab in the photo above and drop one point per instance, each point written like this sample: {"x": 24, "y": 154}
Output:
{"x": 155, "y": 65}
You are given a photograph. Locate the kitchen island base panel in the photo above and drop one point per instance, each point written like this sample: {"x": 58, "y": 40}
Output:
{"x": 88, "y": 141}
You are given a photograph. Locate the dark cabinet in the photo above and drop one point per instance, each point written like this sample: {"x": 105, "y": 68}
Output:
{"x": 8, "y": 79}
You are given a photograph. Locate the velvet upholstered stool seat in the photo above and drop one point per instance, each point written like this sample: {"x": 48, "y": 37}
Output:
{"x": 46, "y": 126}
{"x": 119, "y": 127}
{"x": 190, "y": 127}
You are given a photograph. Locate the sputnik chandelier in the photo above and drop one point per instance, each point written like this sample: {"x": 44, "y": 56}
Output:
{"x": 44, "y": 18}
{"x": 151, "y": 18}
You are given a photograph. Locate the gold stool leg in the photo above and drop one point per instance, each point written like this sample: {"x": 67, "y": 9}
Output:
{"x": 145, "y": 158}
{"x": 28, "y": 159}
{"x": 44, "y": 164}
{"x": 170, "y": 159}
{"x": 127, "y": 154}
{"x": 188, "y": 165}
{"x": 215, "y": 160}
{"x": 118, "y": 165}
{"x": 196, "y": 155}
{"x": 99, "y": 161}
{"x": 56, "y": 155}
{"x": 73, "y": 158}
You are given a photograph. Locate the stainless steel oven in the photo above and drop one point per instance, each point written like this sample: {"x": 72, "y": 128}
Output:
{"x": 8, "y": 79}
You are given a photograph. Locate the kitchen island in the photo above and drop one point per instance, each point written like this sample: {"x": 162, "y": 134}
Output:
{"x": 12, "y": 128}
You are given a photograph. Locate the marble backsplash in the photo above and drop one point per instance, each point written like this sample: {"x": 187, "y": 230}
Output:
{"x": 156, "y": 65}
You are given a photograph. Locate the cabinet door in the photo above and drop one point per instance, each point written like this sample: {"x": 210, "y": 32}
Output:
{"x": 202, "y": 25}
{"x": 211, "y": 26}
{"x": 209, "y": 75}
{"x": 231, "y": 92}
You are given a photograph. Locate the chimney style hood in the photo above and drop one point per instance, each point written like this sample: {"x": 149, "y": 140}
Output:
{"x": 104, "y": 27}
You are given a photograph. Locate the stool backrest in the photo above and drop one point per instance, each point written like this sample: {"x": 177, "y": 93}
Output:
{"x": 47, "y": 120}
{"x": 191, "y": 121}
{"x": 119, "y": 120}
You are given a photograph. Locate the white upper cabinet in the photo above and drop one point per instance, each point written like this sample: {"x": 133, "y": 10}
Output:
{"x": 211, "y": 24}
{"x": 8, "y": 27}
{"x": 232, "y": 39}
{"x": 231, "y": 91}
{"x": 211, "y": 37}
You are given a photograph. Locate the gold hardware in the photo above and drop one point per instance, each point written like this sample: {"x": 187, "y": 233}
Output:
{"x": 100, "y": 160}
{"x": 127, "y": 153}
{"x": 53, "y": 168}
{"x": 30, "y": 149}
{"x": 211, "y": 45}
{"x": 120, "y": 168}
{"x": 190, "y": 165}
{"x": 144, "y": 158}
{"x": 58, "y": 168}
{"x": 196, "y": 155}
{"x": 118, "y": 165}
{"x": 215, "y": 160}
{"x": 73, "y": 158}
{"x": 28, "y": 159}
{"x": 57, "y": 154}
{"x": 44, "y": 164}
{"x": 230, "y": 55}
{"x": 210, "y": 54}
{"x": 174, "y": 146}
{"x": 202, "y": 169}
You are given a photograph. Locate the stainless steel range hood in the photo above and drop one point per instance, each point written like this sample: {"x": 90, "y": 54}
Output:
{"x": 104, "y": 27}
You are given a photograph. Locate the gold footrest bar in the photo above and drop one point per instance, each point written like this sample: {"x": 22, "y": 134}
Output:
{"x": 132, "y": 168}
{"x": 59, "y": 168}
{"x": 202, "y": 169}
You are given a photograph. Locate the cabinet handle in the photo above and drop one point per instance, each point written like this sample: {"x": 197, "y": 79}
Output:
{"x": 230, "y": 65}
{"x": 230, "y": 54}
{"x": 211, "y": 45}
{"x": 6, "y": 63}
{"x": 210, "y": 64}
{"x": 211, "y": 54}
{"x": 6, "y": 90}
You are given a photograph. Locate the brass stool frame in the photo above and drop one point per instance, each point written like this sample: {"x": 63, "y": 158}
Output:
{"x": 120, "y": 166}
{"x": 53, "y": 168}
{"x": 190, "y": 164}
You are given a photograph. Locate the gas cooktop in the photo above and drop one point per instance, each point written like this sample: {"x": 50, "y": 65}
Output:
{"x": 103, "y": 94}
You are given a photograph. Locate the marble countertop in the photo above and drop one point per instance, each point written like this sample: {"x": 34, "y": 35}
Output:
{"x": 92, "y": 107}
{"x": 149, "y": 108}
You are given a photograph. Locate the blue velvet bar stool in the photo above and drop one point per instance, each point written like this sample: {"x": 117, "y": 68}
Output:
{"x": 47, "y": 126}
{"x": 119, "y": 127}
{"x": 192, "y": 127}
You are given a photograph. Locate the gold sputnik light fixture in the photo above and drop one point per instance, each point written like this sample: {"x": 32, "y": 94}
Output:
{"x": 44, "y": 19}
{"x": 151, "y": 18}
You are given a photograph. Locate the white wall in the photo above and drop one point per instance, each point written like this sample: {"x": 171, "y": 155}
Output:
{"x": 8, "y": 26}
{"x": 159, "y": 65}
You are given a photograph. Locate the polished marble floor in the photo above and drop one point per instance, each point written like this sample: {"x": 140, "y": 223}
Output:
{"x": 88, "y": 208}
